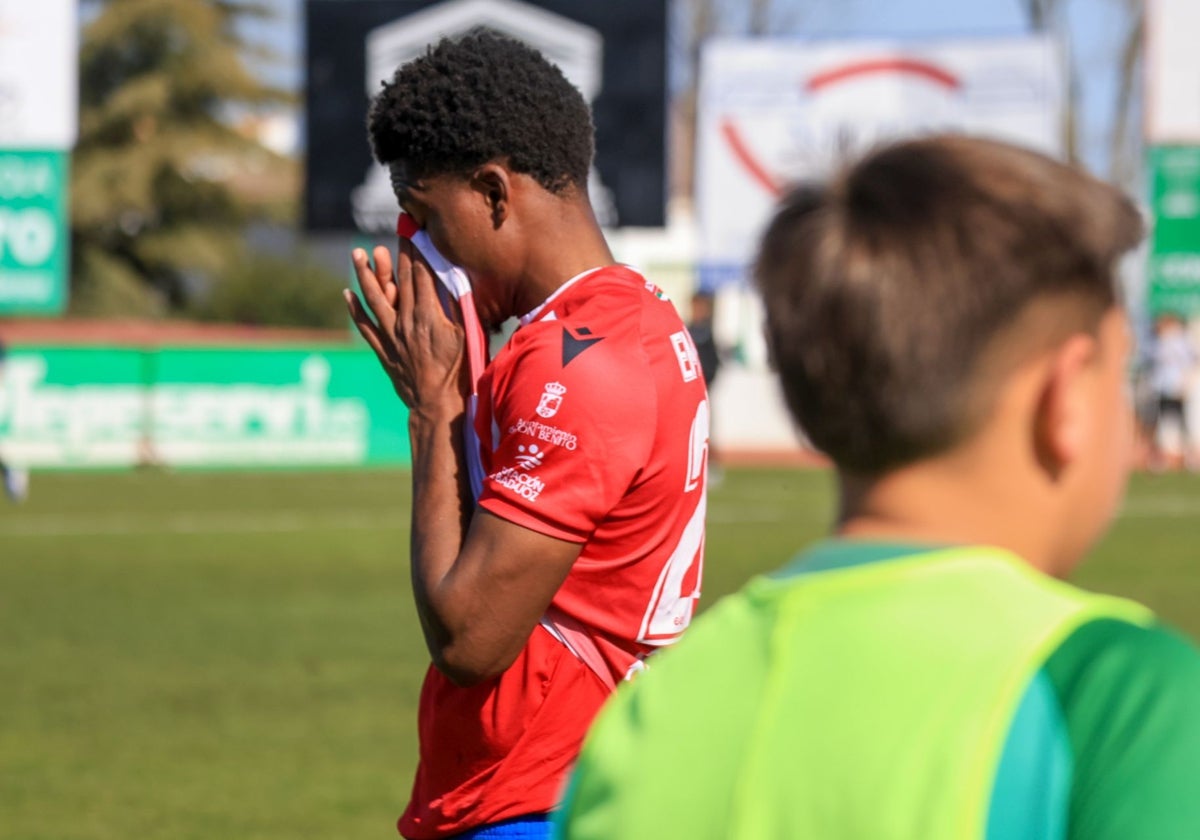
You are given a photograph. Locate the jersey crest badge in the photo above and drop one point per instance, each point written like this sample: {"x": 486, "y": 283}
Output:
{"x": 552, "y": 399}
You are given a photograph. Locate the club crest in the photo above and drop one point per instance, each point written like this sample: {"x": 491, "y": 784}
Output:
{"x": 552, "y": 399}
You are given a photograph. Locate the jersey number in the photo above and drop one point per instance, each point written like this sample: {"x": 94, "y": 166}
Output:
{"x": 678, "y": 585}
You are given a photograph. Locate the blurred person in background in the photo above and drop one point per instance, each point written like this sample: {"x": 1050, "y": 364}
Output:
{"x": 700, "y": 327}
{"x": 581, "y": 553}
{"x": 16, "y": 479}
{"x": 1172, "y": 365}
{"x": 945, "y": 323}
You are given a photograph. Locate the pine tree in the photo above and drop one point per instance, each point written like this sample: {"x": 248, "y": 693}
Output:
{"x": 151, "y": 216}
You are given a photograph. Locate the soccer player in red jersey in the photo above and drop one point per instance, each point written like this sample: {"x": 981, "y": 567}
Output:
{"x": 583, "y": 552}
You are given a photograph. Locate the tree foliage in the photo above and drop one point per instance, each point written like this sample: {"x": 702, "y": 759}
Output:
{"x": 1124, "y": 135}
{"x": 265, "y": 290}
{"x": 696, "y": 21}
{"x": 152, "y": 211}
{"x": 1125, "y": 148}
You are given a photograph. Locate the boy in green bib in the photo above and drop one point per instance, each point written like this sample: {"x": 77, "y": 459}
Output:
{"x": 946, "y": 327}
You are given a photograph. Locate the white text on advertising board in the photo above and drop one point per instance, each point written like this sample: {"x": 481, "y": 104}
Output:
{"x": 28, "y": 235}
{"x": 189, "y": 423}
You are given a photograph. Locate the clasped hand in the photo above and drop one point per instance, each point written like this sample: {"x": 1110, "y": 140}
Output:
{"x": 420, "y": 348}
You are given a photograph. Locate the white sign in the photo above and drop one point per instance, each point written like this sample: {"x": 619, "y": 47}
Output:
{"x": 577, "y": 50}
{"x": 38, "y": 74}
{"x": 1172, "y": 71}
{"x": 776, "y": 112}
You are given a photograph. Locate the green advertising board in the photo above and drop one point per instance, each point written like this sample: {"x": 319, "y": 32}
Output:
{"x": 63, "y": 407}
{"x": 1174, "y": 270}
{"x": 34, "y": 245}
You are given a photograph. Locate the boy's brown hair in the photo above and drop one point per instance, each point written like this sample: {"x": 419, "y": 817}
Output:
{"x": 898, "y": 293}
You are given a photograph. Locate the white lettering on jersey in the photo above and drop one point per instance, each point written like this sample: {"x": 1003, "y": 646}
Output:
{"x": 685, "y": 352}
{"x": 550, "y": 434}
{"x": 526, "y": 486}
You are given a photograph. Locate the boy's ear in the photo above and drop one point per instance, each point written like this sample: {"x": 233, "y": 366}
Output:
{"x": 494, "y": 184}
{"x": 1061, "y": 422}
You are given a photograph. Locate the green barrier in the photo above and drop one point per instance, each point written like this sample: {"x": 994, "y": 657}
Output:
{"x": 198, "y": 407}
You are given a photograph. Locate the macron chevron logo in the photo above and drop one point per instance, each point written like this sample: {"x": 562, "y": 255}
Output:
{"x": 574, "y": 344}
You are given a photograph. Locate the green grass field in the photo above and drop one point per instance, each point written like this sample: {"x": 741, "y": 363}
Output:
{"x": 207, "y": 655}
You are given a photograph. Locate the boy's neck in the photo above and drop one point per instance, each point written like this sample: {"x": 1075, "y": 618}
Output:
{"x": 950, "y": 502}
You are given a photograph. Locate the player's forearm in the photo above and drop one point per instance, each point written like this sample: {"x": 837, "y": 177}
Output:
{"x": 441, "y": 513}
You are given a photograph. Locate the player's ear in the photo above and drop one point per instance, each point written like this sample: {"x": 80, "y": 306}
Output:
{"x": 1062, "y": 420}
{"x": 494, "y": 185}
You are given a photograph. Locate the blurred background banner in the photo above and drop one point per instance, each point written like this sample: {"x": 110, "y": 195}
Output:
{"x": 34, "y": 242}
{"x": 1173, "y": 154}
{"x": 82, "y": 407}
{"x": 775, "y": 112}
{"x": 38, "y": 125}
{"x": 1174, "y": 173}
{"x": 615, "y": 52}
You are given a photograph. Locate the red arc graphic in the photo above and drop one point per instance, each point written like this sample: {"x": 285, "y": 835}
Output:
{"x": 902, "y": 66}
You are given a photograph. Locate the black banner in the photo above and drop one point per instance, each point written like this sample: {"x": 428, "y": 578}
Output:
{"x": 614, "y": 51}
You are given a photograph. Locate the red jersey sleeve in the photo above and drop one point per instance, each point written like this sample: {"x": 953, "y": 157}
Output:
{"x": 572, "y": 425}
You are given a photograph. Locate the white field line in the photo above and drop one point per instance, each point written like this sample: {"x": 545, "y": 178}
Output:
{"x": 203, "y": 522}
{"x": 761, "y": 515}
{"x": 298, "y": 521}
{"x": 1167, "y": 507}
{"x": 275, "y": 522}
{"x": 1153, "y": 507}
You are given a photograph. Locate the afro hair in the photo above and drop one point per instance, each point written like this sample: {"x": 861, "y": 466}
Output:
{"x": 480, "y": 98}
